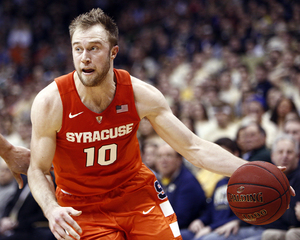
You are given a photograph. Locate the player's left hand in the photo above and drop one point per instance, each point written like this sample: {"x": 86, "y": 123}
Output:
{"x": 61, "y": 223}
{"x": 292, "y": 191}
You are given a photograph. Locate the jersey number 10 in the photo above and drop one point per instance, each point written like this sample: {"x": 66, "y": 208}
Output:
{"x": 107, "y": 155}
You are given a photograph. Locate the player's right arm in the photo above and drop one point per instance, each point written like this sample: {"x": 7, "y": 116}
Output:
{"x": 16, "y": 157}
{"x": 46, "y": 117}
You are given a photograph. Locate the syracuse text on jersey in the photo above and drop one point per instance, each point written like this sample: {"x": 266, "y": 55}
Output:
{"x": 105, "y": 134}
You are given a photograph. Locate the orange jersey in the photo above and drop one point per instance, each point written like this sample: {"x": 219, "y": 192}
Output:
{"x": 96, "y": 152}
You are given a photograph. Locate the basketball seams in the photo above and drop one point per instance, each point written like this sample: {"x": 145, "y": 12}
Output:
{"x": 262, "y": 167}
{"x": 262, "y": 221}
{"x": 280, "y": 187}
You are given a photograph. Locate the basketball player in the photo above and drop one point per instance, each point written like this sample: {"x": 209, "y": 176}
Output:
{"x": 85, "y": 123}
{"x": 16, "y": 157}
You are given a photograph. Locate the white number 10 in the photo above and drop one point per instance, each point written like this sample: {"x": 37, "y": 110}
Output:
{"x": 110, "y": 149}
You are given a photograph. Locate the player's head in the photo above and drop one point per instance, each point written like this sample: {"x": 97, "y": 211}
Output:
{"x": 94, "y": 47}
{"x": 94, "y": 17}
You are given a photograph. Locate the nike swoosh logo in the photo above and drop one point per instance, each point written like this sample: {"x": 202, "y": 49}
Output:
{"x": 75, "y": 115}
{"x": 148, "y": 210}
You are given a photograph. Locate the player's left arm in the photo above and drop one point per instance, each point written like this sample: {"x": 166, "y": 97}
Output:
{"x": 152, "y": 104}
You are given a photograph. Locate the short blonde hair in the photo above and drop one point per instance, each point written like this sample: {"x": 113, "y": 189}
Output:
{"x": 94, "y": 17}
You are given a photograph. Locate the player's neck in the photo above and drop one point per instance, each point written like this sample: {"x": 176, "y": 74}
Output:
{"x": 98, "y": 98}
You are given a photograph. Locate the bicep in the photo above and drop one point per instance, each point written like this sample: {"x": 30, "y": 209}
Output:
{"x": 42, "y": 150}
{"x": 44, "y": 128}
{"x": 152, "y": 105}
{"x": 172, "y": 130}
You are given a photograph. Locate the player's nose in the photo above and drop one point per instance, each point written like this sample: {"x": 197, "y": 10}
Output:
{"x": 85, "y": 57}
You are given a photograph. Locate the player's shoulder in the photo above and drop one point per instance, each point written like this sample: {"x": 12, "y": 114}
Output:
{"x": 48, "y": 97}
{"x": 148, "y": 99}
{"x": 144, "y": 90}
{"x": 46, "y": 111}
{"x": 139, "y": 83}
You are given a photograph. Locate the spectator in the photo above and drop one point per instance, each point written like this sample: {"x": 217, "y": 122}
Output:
{"x": 294, "y": 233}
{"x": 7, "y": 185}
{"x": 210, "y": 97}
{"x": 200, "y": 117}
{"x": 173, "y": 176}
{"x": 23, "y": 218}
{"x": 293, "y": 91}
{"x": 292, "y": 127}
{"x": 245, "y": 78}
{"x": 262, "y": 85}
{"x": 255, "y": 110}
{"x": 285, "y": 152}
{"x": 251, "y": 139}
{"x": 228, "y": 92}
{"x": 273, "y": 96}
{"x": 198, "y": 66}
{"x": 224, "y": 126}
{"x": 241, "y": 140}
{"x": 256, "y": 25}
{"x": 149, "y": 155}
{"x": 282, "y": 108}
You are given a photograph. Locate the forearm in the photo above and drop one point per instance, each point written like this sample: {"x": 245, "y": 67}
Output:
{"x": 16, "y": 157}
{"x": 42, "y": 189}
{"x": 199, "y": 152}
{"x": 5, "y": 147}
{"x": 208, "y": 155}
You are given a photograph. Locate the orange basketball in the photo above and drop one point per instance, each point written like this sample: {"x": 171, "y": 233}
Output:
{"x": 258, "y": 193}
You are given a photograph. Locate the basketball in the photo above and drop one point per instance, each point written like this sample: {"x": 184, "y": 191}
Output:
{"x": 258, "y": 193}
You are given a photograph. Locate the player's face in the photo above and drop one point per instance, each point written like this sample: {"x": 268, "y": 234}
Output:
{"x": 92, "y": 55}
{"x": 285, "y": 155}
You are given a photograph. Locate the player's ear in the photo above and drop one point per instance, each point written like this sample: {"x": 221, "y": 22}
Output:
{"x": 114, "y": 51}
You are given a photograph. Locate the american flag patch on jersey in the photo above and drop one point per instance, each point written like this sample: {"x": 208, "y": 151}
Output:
{"x": 122, "y": 108}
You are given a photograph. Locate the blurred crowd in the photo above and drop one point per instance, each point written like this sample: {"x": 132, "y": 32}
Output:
{"x": 209, "y": 58}
{"x": 220, "y": 64}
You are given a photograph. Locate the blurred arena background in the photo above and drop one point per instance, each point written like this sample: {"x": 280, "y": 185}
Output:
{"x": 181, "y": 46}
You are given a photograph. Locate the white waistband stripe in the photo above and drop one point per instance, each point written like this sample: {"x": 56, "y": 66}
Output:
{"x": 175, "y": 229}
{"x": 166, "y": 208}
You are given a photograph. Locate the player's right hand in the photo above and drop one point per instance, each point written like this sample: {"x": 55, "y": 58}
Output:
{"x": 62, "y": 225}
